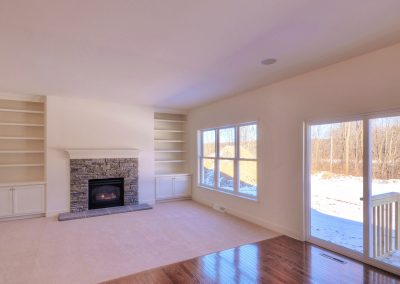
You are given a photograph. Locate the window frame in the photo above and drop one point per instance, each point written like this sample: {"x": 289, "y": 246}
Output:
{"x": 236, "y": 161}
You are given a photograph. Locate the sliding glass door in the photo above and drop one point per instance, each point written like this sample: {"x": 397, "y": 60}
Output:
{"x": 385, "y": 195}
{"x": 336, "y": 183}
{"x": 353, "y": 188}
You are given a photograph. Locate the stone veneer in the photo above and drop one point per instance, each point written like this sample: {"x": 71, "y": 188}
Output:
{"x": 82, "y": 170}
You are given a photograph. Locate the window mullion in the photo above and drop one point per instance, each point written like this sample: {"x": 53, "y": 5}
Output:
{"x": 236, "y": 163}
{"x": 200, "y": 174}
{"x": 367, "y": 175}
{"x": 216, "y": 161}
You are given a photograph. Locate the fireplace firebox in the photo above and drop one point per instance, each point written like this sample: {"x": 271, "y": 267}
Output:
{"x": 106, "y": 193}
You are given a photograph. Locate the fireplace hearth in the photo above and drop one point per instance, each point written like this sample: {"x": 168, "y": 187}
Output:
{"x": 106, "y": 193}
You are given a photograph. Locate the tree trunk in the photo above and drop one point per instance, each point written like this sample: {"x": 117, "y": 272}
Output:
{"x": 347, "y": 148}
{"x": 331, "y": 155}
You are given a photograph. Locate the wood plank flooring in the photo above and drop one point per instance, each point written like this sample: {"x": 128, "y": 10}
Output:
{"x": 277, "y": 260}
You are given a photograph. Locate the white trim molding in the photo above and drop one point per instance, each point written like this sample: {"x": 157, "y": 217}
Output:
{"x": 21, "y": 97}
{"x": 75, "y": 154}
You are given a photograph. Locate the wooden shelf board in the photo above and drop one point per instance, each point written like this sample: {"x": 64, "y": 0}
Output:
{"x": 173, "y": 174}
{"x": 21, "y": 124}
{"x": 169, "y": 120}
{"x": 169, "y": 141}
{"x": 170, "y": 151}
{"x": 20, "y": 138}
{"x": 2, "y": 184}
{"x": 169, "y": 130}
{"x": 21, "y": 110}
{"x": 21, "y": 152}
{"x": 169, "y": 161}
{"x": 20, "y": 165}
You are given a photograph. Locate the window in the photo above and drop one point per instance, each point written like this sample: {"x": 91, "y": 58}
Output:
{"x": 228, "y": 159}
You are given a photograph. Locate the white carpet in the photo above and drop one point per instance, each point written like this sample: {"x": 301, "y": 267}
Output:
{"x": 91, "y": 250}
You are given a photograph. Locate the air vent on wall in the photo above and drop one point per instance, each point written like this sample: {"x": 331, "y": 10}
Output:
{"x": 219, "y": 208}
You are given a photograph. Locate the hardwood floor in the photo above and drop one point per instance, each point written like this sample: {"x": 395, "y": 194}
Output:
{"x": 277, "y": 260}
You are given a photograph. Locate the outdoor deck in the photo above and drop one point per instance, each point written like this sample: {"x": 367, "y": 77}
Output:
{"x": 348, "y": 233}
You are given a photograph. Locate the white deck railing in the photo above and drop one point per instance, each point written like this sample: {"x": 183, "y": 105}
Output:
{"x": 385, "y": 223}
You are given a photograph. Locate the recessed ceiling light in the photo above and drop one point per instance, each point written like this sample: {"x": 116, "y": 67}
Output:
{"x": 268, "y": 61}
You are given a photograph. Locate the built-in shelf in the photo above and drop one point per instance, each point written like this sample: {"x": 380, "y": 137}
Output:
{"x": 169, "y": 151}
{"x": 169, "y": 120}
{"x": 20, "y": 138}
{"x": 21, "y": 152}
{"x": 170, "y": 130}
{"x": 169, "y": 141}
{"x": 172, "y": 174}
{"x": 20, "y": 165}
{"x": 22, "y": 183}
{"x": 170, "y": 161}
{"x": 21, "y": 124}
{"x": 21, "y": 110}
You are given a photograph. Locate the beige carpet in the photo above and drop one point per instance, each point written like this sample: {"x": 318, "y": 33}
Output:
{"x": 44, "y": 250}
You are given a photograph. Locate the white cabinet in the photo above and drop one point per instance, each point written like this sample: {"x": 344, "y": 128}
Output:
{"x": 168, "y": 187}
{"x": 164, "y": 187}
{"x": 28, "y": 200}
{"x": 22, "y": 200}
{"x": 182, "y": 186}
{"x": 5, "y": 201}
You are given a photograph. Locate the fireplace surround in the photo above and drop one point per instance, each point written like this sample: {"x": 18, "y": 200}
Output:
{"x": 107, "y": 192}
{"x": 103, "y": 164}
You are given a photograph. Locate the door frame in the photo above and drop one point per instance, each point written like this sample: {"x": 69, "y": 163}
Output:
{"x": 367, "y": 184}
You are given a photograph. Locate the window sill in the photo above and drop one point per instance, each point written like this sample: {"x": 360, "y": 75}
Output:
{"x": 253, "y": 199}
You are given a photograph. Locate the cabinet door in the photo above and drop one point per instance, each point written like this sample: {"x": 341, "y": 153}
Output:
{"x": 182, "y": 186}
{"x": 164, "y": 188}
{"x": 28, "y": 199}
{"x": 5, "y": 201}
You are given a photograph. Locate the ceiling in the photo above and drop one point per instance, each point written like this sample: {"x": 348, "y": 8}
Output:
{"x": 178, "y": 53}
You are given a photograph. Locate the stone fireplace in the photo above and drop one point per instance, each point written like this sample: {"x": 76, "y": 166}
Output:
{"x": 103, "y": 178}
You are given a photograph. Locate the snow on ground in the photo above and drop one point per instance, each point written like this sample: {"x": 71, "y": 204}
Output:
{"x": 336, "y": 214}
{"x": 339, "y": 196}
{"x": 226, "y": 182}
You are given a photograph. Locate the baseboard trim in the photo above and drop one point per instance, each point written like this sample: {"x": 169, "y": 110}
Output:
{"x": 244, "y": 216}
{"x": 11, "y": 218}
{"x": 55, "y": 213}
{"x": 149, "y": 201}
{"x": 173, "y": 199}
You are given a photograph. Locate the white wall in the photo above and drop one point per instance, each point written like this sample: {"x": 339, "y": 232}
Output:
{"x": 80, "y": 123}
{"x": 363, "y": 84}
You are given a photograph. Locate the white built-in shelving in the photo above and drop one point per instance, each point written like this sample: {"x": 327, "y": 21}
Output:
{"x": 22, "y": 142}
{"x": 22, "y": 158}
{"x": 170, "y": 161}
{"x": 169, "y": 130}
{"x": 21, "y": 110}
{"x": 20, "y": 138}
{"x": 21, "y": 124}
{"x": 169, "y": 139}
{"x": 172, "y": 120}
{"x": 21, "y": 152}
{"x": 170, "y": 151}
{"x": 20, "y": 165}
{"x": 172, "y": 179}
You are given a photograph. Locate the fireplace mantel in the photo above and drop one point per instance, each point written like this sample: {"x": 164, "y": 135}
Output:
{"x": 114, "y": 153}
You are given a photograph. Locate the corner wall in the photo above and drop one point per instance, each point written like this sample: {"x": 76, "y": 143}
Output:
{"x": 367, "y": 83}
{"x": 81, "y": 123}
